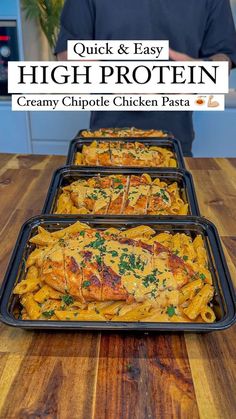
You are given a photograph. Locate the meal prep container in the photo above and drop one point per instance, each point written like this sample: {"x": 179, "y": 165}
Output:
{"x": 167, "y": 133}
{"x": 67, "y": 174}
{"x": 223, "y": 302}
{"x": 171, "y": 144}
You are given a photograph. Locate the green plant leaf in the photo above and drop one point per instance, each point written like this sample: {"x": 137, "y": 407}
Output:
{"x": 47, "y": 14}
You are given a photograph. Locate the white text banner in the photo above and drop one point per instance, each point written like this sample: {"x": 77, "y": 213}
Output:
{"x": 118, "y": 102}
{"x": 118, "y": 50}
{"x": 116, "y": 77}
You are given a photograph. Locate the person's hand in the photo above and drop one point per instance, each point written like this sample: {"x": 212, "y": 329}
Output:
{"x": 179, "y": 56}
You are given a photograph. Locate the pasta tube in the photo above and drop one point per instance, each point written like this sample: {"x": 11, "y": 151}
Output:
{"x": 199, "y": 302}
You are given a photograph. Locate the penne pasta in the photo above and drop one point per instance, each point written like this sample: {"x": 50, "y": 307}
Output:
{"x": 124, "y": 132}
{"x": 190, "y": 290}
{"x": 81, "y": 273}
{"x": 32, "y": 308}
{"x": 81, "y": 315}
{"x": 183, "y": 210}
{"x": 141, "y": 231}
{"x": 121, "y": 153}
{"x": 30, "y": 283}
{"x": 119, "y": 194}
{"x": 202, "y": 298}
{"x": 26, "y": 286}
{"x": 207, "y": 314}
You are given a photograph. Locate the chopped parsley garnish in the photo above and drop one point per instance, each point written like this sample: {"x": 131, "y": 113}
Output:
{"x": 124, "y": 265}
{"x": 164, "y": 283}
{"x": 119, "y": 187}
{"x": 97, "y": 193}
{"x": 151, "y": 278}
{"x": 176, "y": 252}
{"x": 114, "y": 253}
{"x": 48, "y": 314}
{"x": 202, "y": 276}
{"x": 128, "y": 262}
{"x": 97, "y": 243}
{"x": 154, "y": 293}
{"x": 94, "y": 194}
{"x": 162, "y": 195}
{"x": 103, "y": 193}
{"x": 82, "y": 233}
{"x": 170, "y": 311}
{"x": 140, "y": 264}
{"x": 99, "y": 260}
{"x": 61, "y": 242}
{"x": 86, "y": 284}
{"x": 67, "y": 299}
{"x": 185, "y": 258}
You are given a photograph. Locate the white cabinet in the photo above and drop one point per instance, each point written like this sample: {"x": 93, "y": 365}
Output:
{"x": 51, "y": 132}
{"x": 215, "y": 134}
{"x": 14, "y": 130}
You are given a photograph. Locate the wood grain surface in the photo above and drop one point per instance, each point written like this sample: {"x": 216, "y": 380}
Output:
{"x": 127, "y": 375}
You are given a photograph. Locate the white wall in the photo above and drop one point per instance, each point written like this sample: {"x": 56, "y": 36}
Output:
{"x": 215, "y": 134}
{"x": 52, "y": 131}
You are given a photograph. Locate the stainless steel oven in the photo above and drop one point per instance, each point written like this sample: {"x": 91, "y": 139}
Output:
{"x": 9, "y": 51}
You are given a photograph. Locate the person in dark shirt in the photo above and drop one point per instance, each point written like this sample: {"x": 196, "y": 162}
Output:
{"x": 196, "y": 29}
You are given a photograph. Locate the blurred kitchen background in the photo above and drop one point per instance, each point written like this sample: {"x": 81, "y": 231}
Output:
{"x": 50, "y": 132}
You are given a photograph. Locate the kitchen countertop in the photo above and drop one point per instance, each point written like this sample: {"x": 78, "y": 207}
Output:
{"x": 115, "y": 375}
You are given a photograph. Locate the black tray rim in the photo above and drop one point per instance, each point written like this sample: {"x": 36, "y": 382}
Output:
{"x": 14, "y": 265}
{"x": 59, "y": 173}
{"x": 158, "y": 141}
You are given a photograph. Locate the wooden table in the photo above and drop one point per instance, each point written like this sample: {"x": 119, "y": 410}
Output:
{"x": 115, "y": 375}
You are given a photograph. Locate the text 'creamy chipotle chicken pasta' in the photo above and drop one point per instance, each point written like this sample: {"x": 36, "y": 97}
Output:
{"x": 121, "y": 153}
{"x": 135, "y": 275}
{"x": 119, "y": 194}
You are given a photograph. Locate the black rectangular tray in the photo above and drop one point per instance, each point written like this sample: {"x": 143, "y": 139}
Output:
{"x": 172, "y": 144}
{"x": 67, "y": 174}
{"x": 224, "y": 300}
